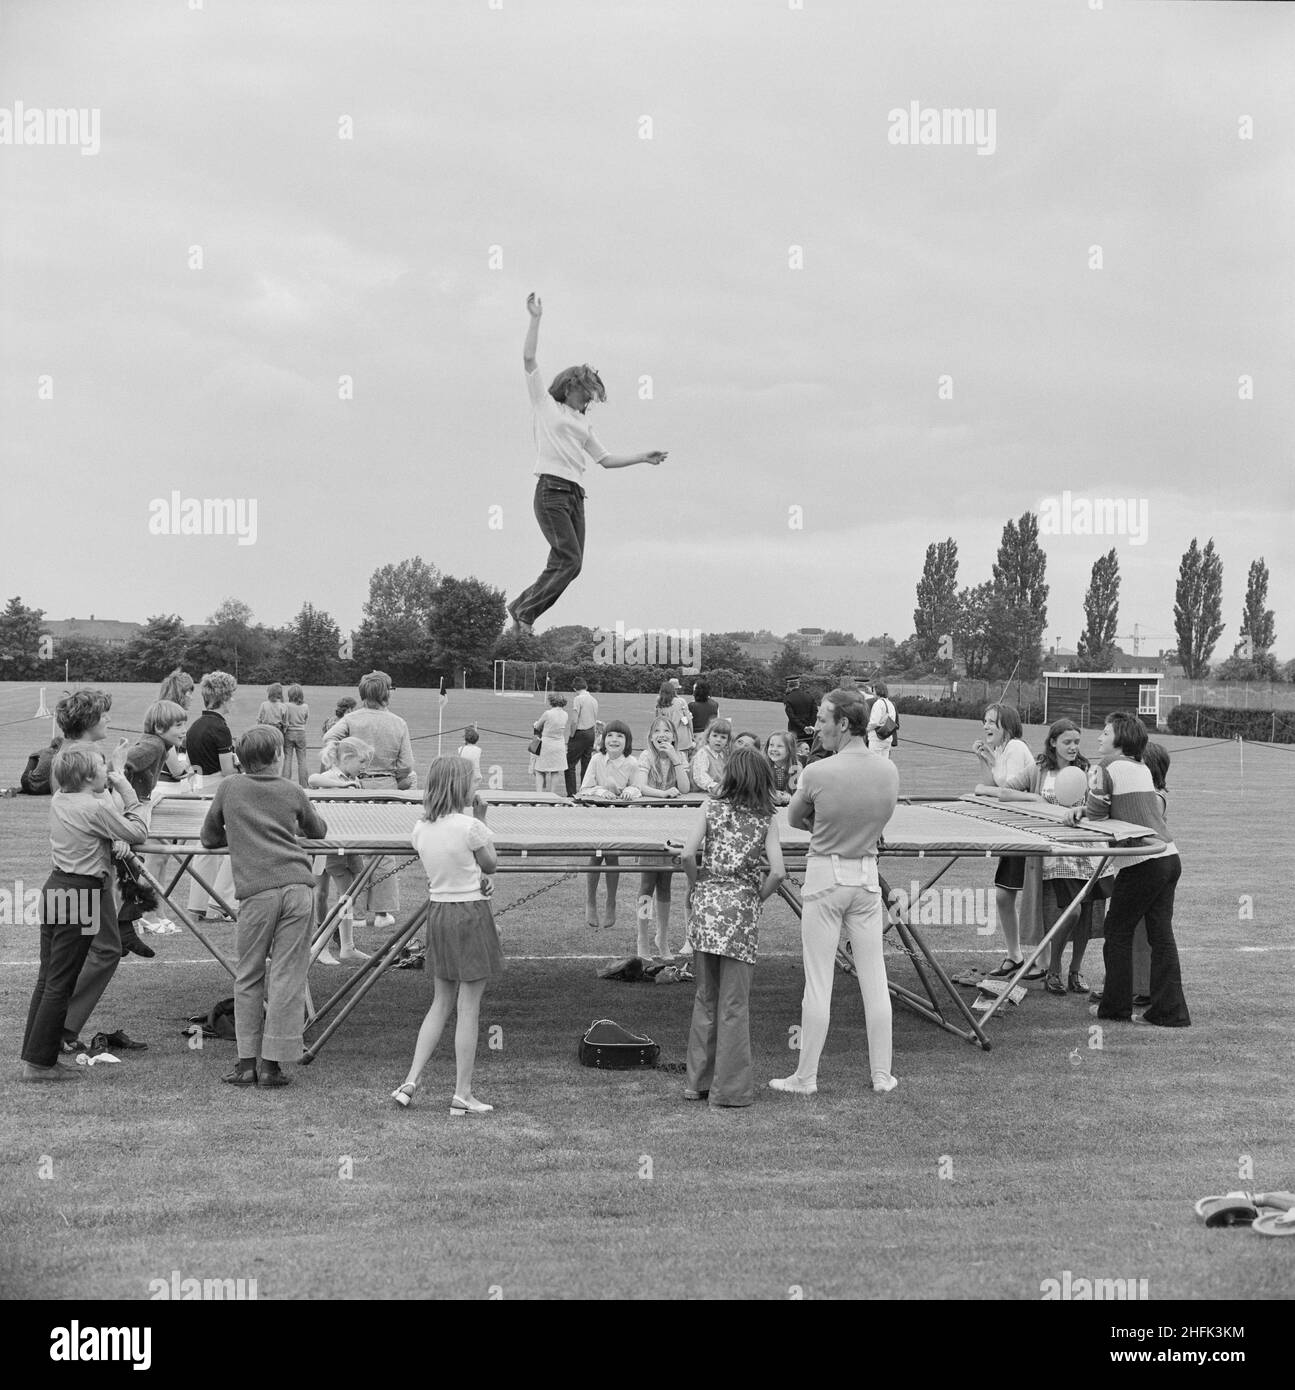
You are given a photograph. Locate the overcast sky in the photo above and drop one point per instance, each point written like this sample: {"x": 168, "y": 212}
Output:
{"x": 773, "y": 387}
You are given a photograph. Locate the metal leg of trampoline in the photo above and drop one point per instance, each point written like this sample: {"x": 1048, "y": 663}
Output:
{"x": 324, "y": 929}
{"x": 360, "y": 983}
{"x": 137, "y": 866}
{"x": 929, "y": 1008}
{"x": 1072, "y": 911}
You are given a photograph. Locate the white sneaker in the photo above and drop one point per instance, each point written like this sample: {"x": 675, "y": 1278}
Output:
{"x": 884, "y": 1081}
{"x": 795, "y": 1085}
{"x": 383, "y": 919}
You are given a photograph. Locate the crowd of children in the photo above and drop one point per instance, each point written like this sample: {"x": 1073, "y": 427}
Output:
{"x": 101, "y": 806}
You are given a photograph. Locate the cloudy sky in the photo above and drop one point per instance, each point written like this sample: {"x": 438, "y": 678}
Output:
{"x": 794, "y": 284}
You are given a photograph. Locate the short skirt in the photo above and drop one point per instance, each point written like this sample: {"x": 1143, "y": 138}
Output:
{"x": 462, "y": 942}
{"x": 1011, "y": 872}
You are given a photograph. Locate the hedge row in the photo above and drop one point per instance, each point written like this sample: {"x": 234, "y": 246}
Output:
{"x": 1220, "y": 721}
{"x": 958, "y": 709}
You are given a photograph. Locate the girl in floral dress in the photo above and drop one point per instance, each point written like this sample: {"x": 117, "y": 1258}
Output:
{"x": 737, "y": 830}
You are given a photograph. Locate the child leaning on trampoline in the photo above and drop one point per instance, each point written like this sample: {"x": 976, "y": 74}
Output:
{"x": 457, "y": 852}
{"x": 1121, "y": 786}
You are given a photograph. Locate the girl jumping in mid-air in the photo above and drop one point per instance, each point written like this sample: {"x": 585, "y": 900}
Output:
{"x": 565, "y": 446}
{"x": 457, "y": 851}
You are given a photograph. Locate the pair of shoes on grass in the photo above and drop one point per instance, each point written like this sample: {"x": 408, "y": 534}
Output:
{"x": 1267, "y": 1213}
{"x": 264, "y": 1075}
{"x": 459, "y": 1107}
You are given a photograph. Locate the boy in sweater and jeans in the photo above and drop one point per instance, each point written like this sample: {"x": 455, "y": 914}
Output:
{"x": 260, "y": 816}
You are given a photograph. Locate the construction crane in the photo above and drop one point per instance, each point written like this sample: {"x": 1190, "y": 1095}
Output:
{"x": 1137, "y": 637}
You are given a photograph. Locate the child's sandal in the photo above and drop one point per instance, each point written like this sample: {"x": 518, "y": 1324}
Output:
{"x": 404, "y": 1093}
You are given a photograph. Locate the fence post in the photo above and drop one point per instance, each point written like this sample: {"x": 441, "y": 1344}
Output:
{"x": 1198, "y": 723}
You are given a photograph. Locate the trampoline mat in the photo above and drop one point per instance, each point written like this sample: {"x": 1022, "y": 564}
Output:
{"x": 965, "y": 826}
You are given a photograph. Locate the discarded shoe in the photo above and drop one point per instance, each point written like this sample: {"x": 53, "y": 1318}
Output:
{"x": 1231, "y": 1209}
{"x": 118, "y": 1039}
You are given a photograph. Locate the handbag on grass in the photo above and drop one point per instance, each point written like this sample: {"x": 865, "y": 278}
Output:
{"x": 610, "y": 1047}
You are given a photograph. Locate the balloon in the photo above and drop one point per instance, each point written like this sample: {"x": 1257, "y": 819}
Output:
{"x": 1071, "y": 786}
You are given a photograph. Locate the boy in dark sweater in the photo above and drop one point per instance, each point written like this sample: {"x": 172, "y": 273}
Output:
{"x": 260, "y": 816}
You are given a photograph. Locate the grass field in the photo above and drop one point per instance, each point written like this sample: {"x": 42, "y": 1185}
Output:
{"x": 1054, "y": 1156}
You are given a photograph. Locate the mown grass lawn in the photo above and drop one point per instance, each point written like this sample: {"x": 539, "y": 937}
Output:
{"x": 1056, "y": 1155}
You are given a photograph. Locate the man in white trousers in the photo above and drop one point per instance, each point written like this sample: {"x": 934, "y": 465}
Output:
{"x": 845, "y": 802}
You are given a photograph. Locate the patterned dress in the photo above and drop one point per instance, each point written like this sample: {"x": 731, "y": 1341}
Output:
{"x": 726, "y": 906}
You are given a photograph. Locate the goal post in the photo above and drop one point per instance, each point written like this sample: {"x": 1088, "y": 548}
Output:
{"x": 515, "y": 677}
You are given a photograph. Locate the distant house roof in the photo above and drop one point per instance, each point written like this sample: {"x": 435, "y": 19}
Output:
{"x": 1104, "y": 675}
{"x": 106, "y": 630}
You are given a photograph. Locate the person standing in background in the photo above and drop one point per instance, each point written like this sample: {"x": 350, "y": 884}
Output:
{"x": 881, "y": 715}
{"x": 703, "y": 709}
{"x": 801, "y": 711}
{"x": 392, "y": 766}
{"x": 580, "y": 746}
{"x": 683, "y": 721}
{"x": 210, "y": 747}
{"x": 296, "y": 714}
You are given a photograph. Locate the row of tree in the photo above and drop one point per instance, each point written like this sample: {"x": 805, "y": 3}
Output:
{"x": 997, "y": 627}
{"x": 419, "y": 624}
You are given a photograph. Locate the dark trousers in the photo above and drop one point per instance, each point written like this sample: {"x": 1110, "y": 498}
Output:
{"x": 71, "y": 908}
{"x": 1145, "y": 891}
{"x": 560, "y": 511}
{"x": 580, "y": 750}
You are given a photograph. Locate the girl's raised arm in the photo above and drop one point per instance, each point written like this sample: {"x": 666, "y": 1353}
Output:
{"x": 534, "y": 307}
